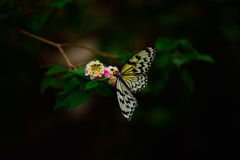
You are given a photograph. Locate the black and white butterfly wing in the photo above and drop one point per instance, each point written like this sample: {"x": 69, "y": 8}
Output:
{"x": 126, "y": 100}
{"x": 135, "y": 69}
{"x": 133, "y": 79}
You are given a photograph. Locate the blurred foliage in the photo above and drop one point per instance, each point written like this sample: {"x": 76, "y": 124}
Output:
{"x": 189, "y": 108}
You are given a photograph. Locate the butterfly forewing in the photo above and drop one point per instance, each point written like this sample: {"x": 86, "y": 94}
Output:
{"x": 139, "y": 63}
{"x": 135, "y": 69}
{"x": 126, "y": 100}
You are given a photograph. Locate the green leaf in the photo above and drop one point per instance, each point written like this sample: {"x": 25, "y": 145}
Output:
{"x": 67, "y": 75}
{"x": 36, "y": 21}
{"x": 79, "y": 97}
{"x": 63, "y": 100}
{"x": 47, "y": 82}
{"x": 179, "y": 59}
{"x": 70, "y": 84}
{"x": 107, "y": 82}
{"x": 162, "y": 60}
{"x": 159, "y": 117}
{"x": 124, "y": 57}
{"x": 205, "y": 57}
{"x": 158, "y": 82}
{"x": 165, "y": 44}
{"x": 60, "y": 3}
{"x": 79, "y": 71}
{"x": 187, "y": 78}
{"x": 186, "y": 45}
{"x": 29, "y": 44}
{"x": 83, "y": 81}
{"x": 92, "y": 84}
{"x": 55, "y": 69}
{"x": 103, "y": 90}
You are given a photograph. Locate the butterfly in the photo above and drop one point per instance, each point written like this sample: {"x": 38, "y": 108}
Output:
{"x": 133, "y": 79}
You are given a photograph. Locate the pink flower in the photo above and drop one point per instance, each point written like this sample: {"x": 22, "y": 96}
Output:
{"x": 106, "y": 73}
{"x": 85, "y": 69}
{"x": 97, "y": 78}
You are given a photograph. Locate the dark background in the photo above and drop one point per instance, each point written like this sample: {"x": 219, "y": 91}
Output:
{"x": 176, "y": 124}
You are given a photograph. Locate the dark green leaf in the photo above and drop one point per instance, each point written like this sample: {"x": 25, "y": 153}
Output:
{"x": 205, "y": 57}
{"x": 103, "y": 90}
{"x": 63, "y": 100}
{"x": 55, "y": 69}
{"x": 36, "y": 21}
{"x": 107, "y": 82}
{"x": 70, "y": 84}
{"x": 124, "y": 57}
{"x": 91, "y": 84}
{"x": 165, "y": 44}
{"x": 159, "y": 117}
{"x": 60, "y": 3}
{"x": 79, "y": 71}
{"x": 186, "y": 45}
{"x": 47, "y": 82}
{"x": 158, "y": 82}
{"x": 179, "y": 59}
{"x": 162, "y": 60}
{"x": 83, "y": 81}
{"x": 79, "y": 97}
{"x": 29, "y": 44}
{"x": 67, "y": 75}
{"x": 187, "y": 79}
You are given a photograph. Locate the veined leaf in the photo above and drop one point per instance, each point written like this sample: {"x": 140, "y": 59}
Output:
{"x": 103, "y": 90}
{"x": 60, "y": 3}
{"x": 47, "y": 82}
{"x": 79, "y": 71}
{"x": 70, "y": 84}
{"x": 92, "y": 84}
{"x": 55, "y": 69}
{"x": 78, "y": 97}
{"x": 67, "y": 75}
{"x": 63, "y": 100}
{"x": 36, "y": 21}
{"x": 83, "y": 81}
{"x": 205, "y": 57}
{"x": 165, "y": 44}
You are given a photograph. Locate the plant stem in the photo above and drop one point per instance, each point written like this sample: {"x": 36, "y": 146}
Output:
{"x": 60, "y": 48}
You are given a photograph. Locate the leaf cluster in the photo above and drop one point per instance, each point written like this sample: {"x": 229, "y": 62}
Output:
{"x": 173, "y": 55}
{"x": 77, "y": 87}
{"x": 30, "y": 16}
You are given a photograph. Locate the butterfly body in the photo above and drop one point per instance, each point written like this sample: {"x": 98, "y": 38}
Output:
{"x": 133, "y": 79}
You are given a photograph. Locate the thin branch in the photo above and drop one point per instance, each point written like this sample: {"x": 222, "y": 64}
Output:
{"x": 81, "y": 64}
{"x": 60, "y": 48}
{"x": 90, "y": 49}
{"x": 38, "y": 38}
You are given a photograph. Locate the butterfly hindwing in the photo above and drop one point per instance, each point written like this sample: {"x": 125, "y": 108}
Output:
{"x": 139, "y": 63}
{"x": 126, "y": 100}
{"x": 136, "y": 82}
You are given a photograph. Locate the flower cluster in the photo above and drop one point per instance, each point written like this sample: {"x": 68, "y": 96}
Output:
{"x": 97, "y": 70}
{"x": 109, "y": 72}
{"x": 94, "y": 69}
